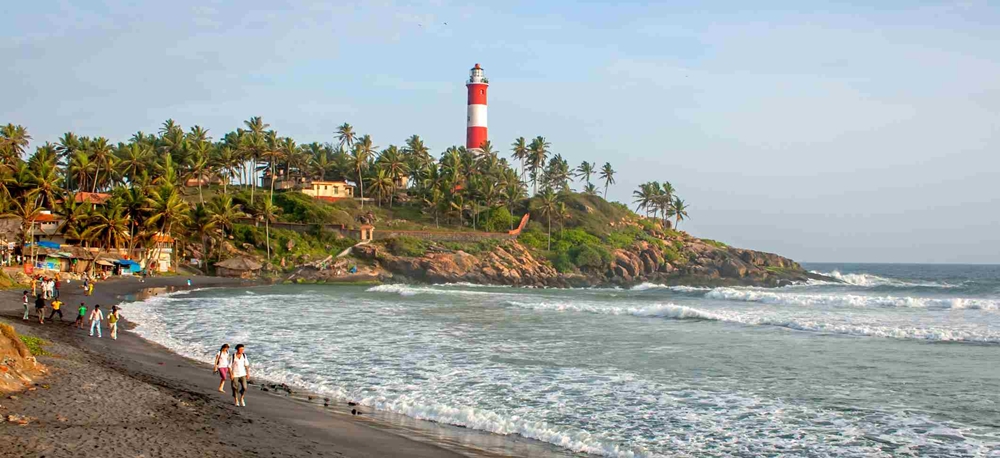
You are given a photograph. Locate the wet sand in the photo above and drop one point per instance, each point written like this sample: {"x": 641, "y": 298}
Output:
{"x": 131, "y": 397}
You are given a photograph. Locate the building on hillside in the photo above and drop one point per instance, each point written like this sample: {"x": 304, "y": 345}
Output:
{"x": 95, "y": 199}
{"x": 329, "y": 190}
{"x": 46, "y": 227}
{"x": 203, "y": 181}
{"x": 162, "y": 253}
{"x": 239, "y": 267}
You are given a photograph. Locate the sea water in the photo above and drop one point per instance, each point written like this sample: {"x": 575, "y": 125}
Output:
{"x": 892, "y": 360}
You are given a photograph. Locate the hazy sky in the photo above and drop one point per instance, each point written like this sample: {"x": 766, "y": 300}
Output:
{"x": 824, "y": 133}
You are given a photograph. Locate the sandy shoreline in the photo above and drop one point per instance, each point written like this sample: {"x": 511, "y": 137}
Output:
{"x": 132, "y": 397}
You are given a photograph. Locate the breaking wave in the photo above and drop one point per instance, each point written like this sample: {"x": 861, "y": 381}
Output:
{"x": 870, "y": 281}
{"x": 409, "y": 290}
{"x": 681, "y": 312}
{"x": 849, "y": 300}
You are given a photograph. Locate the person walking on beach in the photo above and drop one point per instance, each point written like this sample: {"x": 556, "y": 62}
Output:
{"x": 113, "y": 319}
{"x": 239, "y": 374}
{"x": 56, "y": 309}
{"x": 82, "y": 314}
{"x": 90, "y": 290}
{"x": 95, "y": 320}
{"x": 34, "y": 284}
{"x": 221, "y": 366}
{"x": 40, "y": 309}
{"x": 26, "y": 308}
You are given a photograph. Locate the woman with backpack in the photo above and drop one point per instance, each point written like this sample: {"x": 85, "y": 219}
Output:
{"x": 239, "y": 373}
{"x": 113, "y": 318}
{"x": 222, "y": 366}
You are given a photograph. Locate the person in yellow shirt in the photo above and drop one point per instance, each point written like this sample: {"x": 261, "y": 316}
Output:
{"x": 56, "y": 309}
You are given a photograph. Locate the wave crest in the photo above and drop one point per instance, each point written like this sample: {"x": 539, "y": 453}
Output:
{"x": 849, "y": 300}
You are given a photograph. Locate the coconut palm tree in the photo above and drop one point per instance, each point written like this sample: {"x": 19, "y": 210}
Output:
{"x": 44, "y": 178}
{"x": 391, "y": 159}
{"x": 225, "y": 213}
{"x": 590, "y": 189}
{"x": 13, "y": 142}
{"x": 225, "y": 162}
{"x": 380, "y": 185}
{"x": 608, "y": 175}
{"x": 268, "y": 212}
{"x": 345, "y": 135}
{"x": 679, "y": 210}
{"x": 100, "y": 153}
{"x": 361, "y": 155}
{"x": 202, "y": 225}
{"x": 519, "y": 151}
{"x": 664, "y": 199}
{"x": 547, "y": 203}
{"x": 166, "y": 209}
{"x": 132, "y": 158}
{"x": 644, "y": 197}
{"x": 538, "y": 151}
{"x": 109, "y": 225}
{"x": 585, "y": 170}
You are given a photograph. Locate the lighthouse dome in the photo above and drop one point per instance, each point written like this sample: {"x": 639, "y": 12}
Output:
{"x": 476, "y": 75}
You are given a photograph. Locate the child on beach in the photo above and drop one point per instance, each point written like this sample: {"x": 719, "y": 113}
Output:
{"x": 79, "y": 318}
{"x": 222, "y": 357}
{"x": 56, "y": 306}
{"x": 95, "y": 320}
{"x": 113, "y": 318}
{"x": 25, "y": 300}
{"x": 239, "y": 374}
{"x": 40, "y": 308}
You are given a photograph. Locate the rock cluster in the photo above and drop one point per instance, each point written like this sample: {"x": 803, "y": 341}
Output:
{"x": 507, "y": 264}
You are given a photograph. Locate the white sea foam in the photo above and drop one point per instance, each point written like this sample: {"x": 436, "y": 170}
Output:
{"x": 849, "y": 300}
{"x": 870, "y": 280}
{"x": 678, "y": 288}
{"x": 410, "y": 290}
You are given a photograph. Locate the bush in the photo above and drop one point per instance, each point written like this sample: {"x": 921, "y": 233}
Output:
{"x": 407, "y": 246}
{"x": 34, "y": 345}
{"x": 533, "y": 239}
{"x": 562, "y": 262}
{"x": 499, "y": 220}
{"x": 715, "y": 243}
{"x": 591, "y": 256}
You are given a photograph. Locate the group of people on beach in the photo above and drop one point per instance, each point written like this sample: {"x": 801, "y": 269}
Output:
{"x": 236, "y": 369}
{"x": 95, "y": 316}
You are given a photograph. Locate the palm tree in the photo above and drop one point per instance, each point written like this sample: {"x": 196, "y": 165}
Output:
{"x": 166, "y": 210}
{"x": 679, "y": 209}
{"x": 392, "y": 161}
{"x": 608, "y": 175}
{"x": 225, "y": 212}
{"x": 225, "y": 162}
{"x": 275, "y": 151}
{"x": 132, "y": 158}
{"x": 80, "y": 168}
{"x": 13, "y": 142}
{"x": 267, "y": 211}
{"x": 381, "y": 184}
{"x": 44, "y": 177}
{"x": 28, "y": 210}
{"x": 202, "y": 225}
{"x": 590, "y": 190}
{"x": 361, "y": 154}
{"x": 665, "y": 198}
{"x": 547, "y": 203}
{"x": 538, "y": 151}
{"x": 100, "y": 154}
{"x": 644, "y": 197}
{"x": 109, "y": 225}
{"x": 254, "y": 144}
{"x": 345, "y": 135}
{"x": 519, "y": 151}
{"x": 585, "y": 170}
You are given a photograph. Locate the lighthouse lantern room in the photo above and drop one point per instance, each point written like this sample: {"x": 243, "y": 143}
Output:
{"x": 475, "y": 133}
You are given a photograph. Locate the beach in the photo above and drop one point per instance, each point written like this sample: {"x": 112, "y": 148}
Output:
{"x": 131, "y": 397}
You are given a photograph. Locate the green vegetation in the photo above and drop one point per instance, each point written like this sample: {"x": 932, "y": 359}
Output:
{"x": 404, "y": 187}
{"x": 35, "y": 345}
{"x": 714, "y": 243}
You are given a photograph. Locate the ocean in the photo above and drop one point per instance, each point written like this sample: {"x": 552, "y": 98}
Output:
{"x": 898, "y": 360}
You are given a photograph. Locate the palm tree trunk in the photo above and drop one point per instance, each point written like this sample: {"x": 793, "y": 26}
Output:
{"x": 361, "y": 186}
{"x": 605, "y": 191}
{"x": 96, "y": 174}
{"x": 550, "y": 233}
{"x": 272, "y": 183}
{"x": 200, "y": 195}
{"x": 267, "y": 234}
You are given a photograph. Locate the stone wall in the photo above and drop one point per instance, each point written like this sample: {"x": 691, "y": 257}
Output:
{"x": 442, "y": 236}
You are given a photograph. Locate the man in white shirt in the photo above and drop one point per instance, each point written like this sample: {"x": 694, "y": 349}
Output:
{"x": 239, "y": 373}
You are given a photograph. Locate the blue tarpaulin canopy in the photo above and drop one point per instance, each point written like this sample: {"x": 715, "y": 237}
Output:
{"x": 132, "y": 265}
{"x": 45, "y": 244}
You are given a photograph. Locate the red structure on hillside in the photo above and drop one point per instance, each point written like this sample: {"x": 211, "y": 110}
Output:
{"x": 475, "y": 133}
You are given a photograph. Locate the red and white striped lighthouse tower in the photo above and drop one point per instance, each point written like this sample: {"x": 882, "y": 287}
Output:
{"x": 475, "y": 133}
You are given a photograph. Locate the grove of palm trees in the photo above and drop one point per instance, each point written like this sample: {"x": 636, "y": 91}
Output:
{"x": 219, "y": 195}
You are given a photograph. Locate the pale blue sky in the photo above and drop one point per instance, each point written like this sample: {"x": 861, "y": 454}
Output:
{"x": 824, "y": 132}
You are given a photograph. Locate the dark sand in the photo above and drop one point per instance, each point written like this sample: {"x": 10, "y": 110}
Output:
{"x": 134, "y": 398}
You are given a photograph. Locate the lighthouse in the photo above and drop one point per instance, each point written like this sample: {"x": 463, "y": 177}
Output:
{"x": 475, "y": 133}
